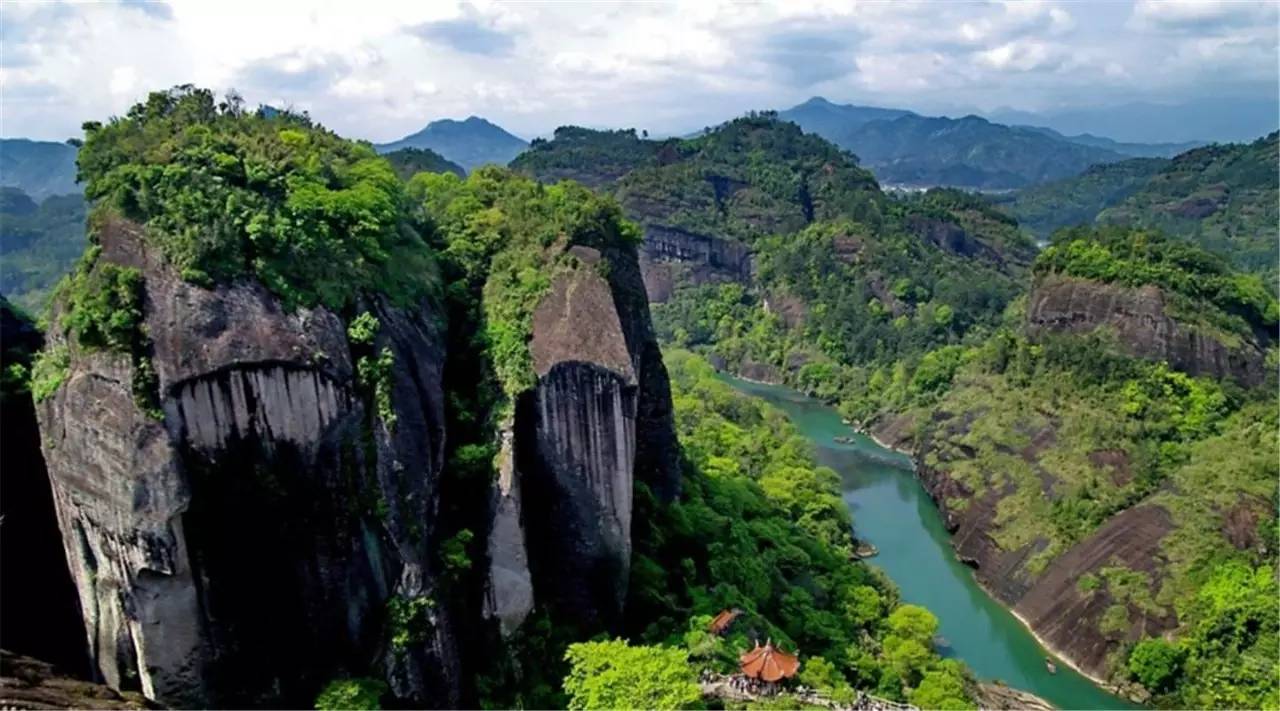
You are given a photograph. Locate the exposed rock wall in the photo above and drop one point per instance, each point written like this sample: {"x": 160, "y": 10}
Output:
{"x": 672, "y": 256}
{"x": 598, "y": 419}
{"x": 1048, "y": 599}
{"x": 1142, "y": 325}
{"x": 1067, "y": 617}
{"x": 241, "y": 549}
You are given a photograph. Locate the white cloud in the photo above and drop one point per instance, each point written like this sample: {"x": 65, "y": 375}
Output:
{"x": 124, "y": 80}
{"x": 380, "y": 69}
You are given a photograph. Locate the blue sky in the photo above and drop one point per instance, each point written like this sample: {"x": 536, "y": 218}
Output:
{"x": 380, "y": 70}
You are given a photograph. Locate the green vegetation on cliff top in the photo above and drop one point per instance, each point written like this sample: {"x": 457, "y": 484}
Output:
{"x": 502, "y": 238}
{"x": 1208, "y": 289}
{"x": 225, "y": 193}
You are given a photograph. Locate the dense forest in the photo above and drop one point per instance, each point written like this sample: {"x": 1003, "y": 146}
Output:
{"x": 38, "y": 244}
{"x": 1221, "y": 197}
{"x": 971, "y": 398}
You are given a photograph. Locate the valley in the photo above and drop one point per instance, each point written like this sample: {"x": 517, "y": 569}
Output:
{"x": 895, "y": 514}
{"x": 464, "y": 421}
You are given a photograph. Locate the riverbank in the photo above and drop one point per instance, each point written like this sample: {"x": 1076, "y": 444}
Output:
{"x": 893, "y": 511}
{"x": 1102, "y": 683}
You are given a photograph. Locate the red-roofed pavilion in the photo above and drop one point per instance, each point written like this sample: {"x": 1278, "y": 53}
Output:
{"x": 768, "y": 663}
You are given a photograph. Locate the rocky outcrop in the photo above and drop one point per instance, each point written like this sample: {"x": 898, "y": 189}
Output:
{"x": 598, "y": 419}
{"x": 1068, "y": 618}
{"x": 1142, "y": 326}
{"x": 999, "y": 696}
{"x": 1047, "y": 597}
{"x": 27, "y": 683}
{"x": 241, "y": 546}
{"x": 40, "y": 616}
{"x": 674, "y": 257}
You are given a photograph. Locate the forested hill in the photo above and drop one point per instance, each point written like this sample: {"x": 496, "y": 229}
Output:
{"x": 706, "y": 203}
{"x": 835, "y": 122}
{"x": 969, "y": 152}
{"x": 1222, "y": 197}
{"x": 1077, "y": 200}
{"x": 39, "y": 241}
{"x": 408, "y": 162}
{"x": 470, "y": 143}
{"x": 1226, "y": 198}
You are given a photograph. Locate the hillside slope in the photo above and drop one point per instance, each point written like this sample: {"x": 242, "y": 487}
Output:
{"x": 1226, "y": 198}
{"x": 968, "y": 152}
{"x": 1079, "y": 199}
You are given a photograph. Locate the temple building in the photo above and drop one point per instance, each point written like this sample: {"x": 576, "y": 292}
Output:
{"x": 769, "y": 664}
{"x": 721, "y": 623}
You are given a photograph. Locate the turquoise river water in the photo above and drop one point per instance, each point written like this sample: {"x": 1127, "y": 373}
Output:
{"x": 892, "y": 511}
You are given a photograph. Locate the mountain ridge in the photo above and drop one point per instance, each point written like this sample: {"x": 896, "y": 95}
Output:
{"x": 470, "y": 142}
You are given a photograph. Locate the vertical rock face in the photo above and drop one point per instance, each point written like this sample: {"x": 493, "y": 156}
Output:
{"x": 1139, "y": 317}
{"x": 242, "y": 548}
{"x": 598, "y": 419}
{"x": 672, "y": 256}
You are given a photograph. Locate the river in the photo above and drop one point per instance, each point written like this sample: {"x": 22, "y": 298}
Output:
{"x": 892, "y": 511}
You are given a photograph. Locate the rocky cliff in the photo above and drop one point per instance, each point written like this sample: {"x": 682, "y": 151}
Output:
{"x": 674, "y": 257}
{"x": 1141, "y": 321}
{"x": 242, "y": 543}
{"x": 597, "y": 420}
{"x": 1047, "y": 594}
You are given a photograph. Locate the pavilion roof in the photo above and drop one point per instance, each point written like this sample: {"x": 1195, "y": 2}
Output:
{"x": 768, "y": 663}
{"x": 723, "y": 620}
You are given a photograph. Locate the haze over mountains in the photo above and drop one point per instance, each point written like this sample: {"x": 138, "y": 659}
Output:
{"x": 903, "y": 147}
{"x": 40, "y": 168}
{"x": 469, "y": 143}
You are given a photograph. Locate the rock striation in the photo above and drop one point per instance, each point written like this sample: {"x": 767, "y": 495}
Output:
{"x": 674, "y": 257}
{"x": 1143, "y": 327}
{"x": 241, "y": 546}
{"x": 598, "y": 420}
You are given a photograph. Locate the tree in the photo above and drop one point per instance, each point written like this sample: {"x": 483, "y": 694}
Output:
{"x": 615, "y": 675}
{"x": 907, "y": 657}
{"x": 823, "y": 676}
{"x": 349, "y": 694}
{"x": 1156, "y": 664}
{"x": 915, "y": 623}
{"x": 942, "y": 688}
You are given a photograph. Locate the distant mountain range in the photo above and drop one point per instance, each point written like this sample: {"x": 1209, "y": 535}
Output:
{"x": 903, "y": 147}
{"x": 1216, "y": 119}
{"x": 40, "y": 169}
{"x": 470, "y": 143}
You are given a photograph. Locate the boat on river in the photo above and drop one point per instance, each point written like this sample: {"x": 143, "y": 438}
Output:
{"x": 1049, "y": 665}
{"x": 841, "y": 439}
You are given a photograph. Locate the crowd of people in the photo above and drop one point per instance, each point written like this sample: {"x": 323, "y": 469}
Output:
{"x": 740, "y": 687}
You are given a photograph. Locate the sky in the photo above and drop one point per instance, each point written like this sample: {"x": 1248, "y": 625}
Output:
{"x": 380, "y": 70}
